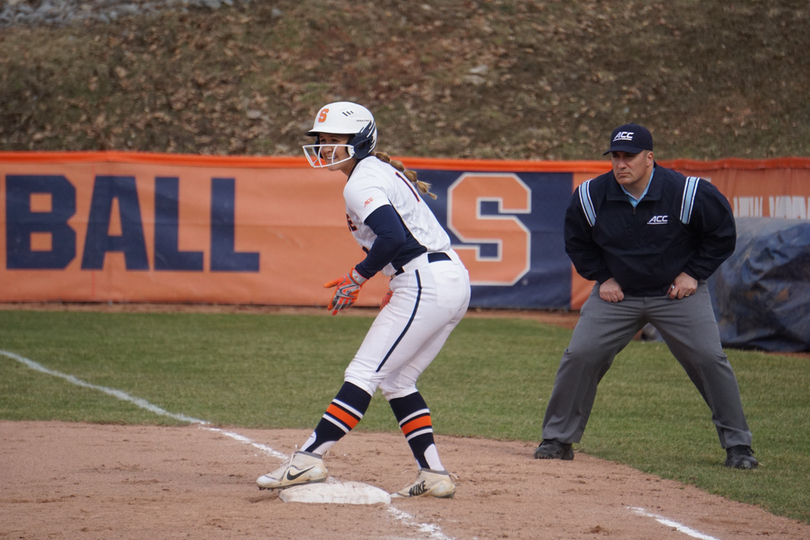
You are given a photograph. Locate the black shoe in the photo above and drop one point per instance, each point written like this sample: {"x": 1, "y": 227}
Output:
{"x": 552, "y": 449}
{"x": 741, "y": 457}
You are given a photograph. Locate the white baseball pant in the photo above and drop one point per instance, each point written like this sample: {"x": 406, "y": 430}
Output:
{"x": 429, "y": 299}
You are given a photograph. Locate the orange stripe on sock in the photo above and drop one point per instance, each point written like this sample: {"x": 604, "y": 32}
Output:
{"x": 416, "y": 423}
{"x": 342, "y": 415}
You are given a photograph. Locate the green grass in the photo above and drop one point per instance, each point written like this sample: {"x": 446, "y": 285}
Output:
{"x": 491, "y": 380}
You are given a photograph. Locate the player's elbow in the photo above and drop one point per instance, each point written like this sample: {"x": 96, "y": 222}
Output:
{"x": 397, "y": 240}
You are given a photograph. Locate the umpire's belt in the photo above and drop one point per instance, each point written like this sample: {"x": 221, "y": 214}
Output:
{"x": 423, "y": 260}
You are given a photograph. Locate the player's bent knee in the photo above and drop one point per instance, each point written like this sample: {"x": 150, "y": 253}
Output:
{"x": 360, "y": 382}
{"x": 394, "y": 391}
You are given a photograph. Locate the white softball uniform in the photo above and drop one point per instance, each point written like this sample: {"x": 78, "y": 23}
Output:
{"x": 431, "y": 292}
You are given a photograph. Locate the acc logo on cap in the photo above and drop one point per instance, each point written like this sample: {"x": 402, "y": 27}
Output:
{"x": 623, "y": 136}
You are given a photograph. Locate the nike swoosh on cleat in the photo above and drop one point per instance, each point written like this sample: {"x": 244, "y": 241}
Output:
{"x": 292, "y": 477}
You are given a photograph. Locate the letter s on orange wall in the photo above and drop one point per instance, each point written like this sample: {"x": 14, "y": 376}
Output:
{"x": 512, "y": 237}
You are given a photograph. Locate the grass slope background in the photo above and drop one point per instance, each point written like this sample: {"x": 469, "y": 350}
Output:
{"x": 496, "y": 79}
{"x": 491, "y": 380}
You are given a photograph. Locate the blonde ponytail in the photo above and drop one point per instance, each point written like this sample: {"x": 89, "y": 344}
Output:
{"x": 423, "y": 187}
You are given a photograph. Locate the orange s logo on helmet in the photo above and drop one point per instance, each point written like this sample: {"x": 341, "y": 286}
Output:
{"x": 322, "y": 116}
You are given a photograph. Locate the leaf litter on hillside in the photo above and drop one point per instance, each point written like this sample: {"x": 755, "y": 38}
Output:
{"x": 449, "y": 78}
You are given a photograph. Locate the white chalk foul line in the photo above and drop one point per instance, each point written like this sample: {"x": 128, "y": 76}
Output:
{"x": 433, "y": 530}
{"x": 675, "y": 525}
{"x": 142, "y": 403}
{"x": 123, "y": 396}
{"x": 242, "y": 439}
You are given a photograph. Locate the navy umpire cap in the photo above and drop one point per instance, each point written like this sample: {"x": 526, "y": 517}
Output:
{"x": 630, "y": 138}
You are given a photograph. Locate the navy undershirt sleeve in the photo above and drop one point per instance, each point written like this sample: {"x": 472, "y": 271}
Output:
{"x": 385, "y": 223}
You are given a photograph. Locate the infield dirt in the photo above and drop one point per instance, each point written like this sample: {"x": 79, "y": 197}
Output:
{"x": 64, "y": 480}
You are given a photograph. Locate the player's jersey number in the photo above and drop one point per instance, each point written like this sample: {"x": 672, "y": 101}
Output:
{"x": 507, "y": 232}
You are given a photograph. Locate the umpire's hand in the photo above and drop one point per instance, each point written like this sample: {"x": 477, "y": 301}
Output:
{"x": 611, "y": 291}
{"x": 684, "y": 285}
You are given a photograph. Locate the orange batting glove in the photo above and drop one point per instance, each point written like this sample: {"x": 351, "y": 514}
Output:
{"x": 386, "y": 299}
{"x": 348, "y": 287}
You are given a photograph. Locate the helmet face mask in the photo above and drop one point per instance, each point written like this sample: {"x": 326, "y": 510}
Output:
{"x": 316, "y": 154}
{"x": 342, "y": 118}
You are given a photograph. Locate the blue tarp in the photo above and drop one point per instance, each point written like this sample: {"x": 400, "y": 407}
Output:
{"x": 761, "y": 294}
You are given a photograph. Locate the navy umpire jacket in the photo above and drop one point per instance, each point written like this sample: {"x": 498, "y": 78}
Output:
{"x": 681, "y": 225}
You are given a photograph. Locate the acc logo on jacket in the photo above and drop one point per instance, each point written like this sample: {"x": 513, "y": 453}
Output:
{"x": 658, "y": 220}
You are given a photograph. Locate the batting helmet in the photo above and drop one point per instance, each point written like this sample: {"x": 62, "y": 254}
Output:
{"x": 344, "y": 118}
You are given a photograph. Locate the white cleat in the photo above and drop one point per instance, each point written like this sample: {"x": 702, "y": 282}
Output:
{"x": 429, "y": 483}
{"x": 303, "y": 468}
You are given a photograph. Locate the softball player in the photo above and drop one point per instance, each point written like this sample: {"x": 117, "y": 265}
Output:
{"x": 429, "y": 294}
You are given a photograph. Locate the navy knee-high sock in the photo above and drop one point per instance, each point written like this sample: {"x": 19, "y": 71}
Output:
{"x": 414, "y": 420}
{"x": 345, "y": 412}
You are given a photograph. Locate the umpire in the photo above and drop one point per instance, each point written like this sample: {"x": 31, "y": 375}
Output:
{"x": 650, "y": 238}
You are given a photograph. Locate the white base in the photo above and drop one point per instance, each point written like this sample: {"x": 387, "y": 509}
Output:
{"x": 333, "y": 492}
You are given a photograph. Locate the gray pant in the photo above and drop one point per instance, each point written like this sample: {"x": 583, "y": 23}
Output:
{"x": 690, "y": 331}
